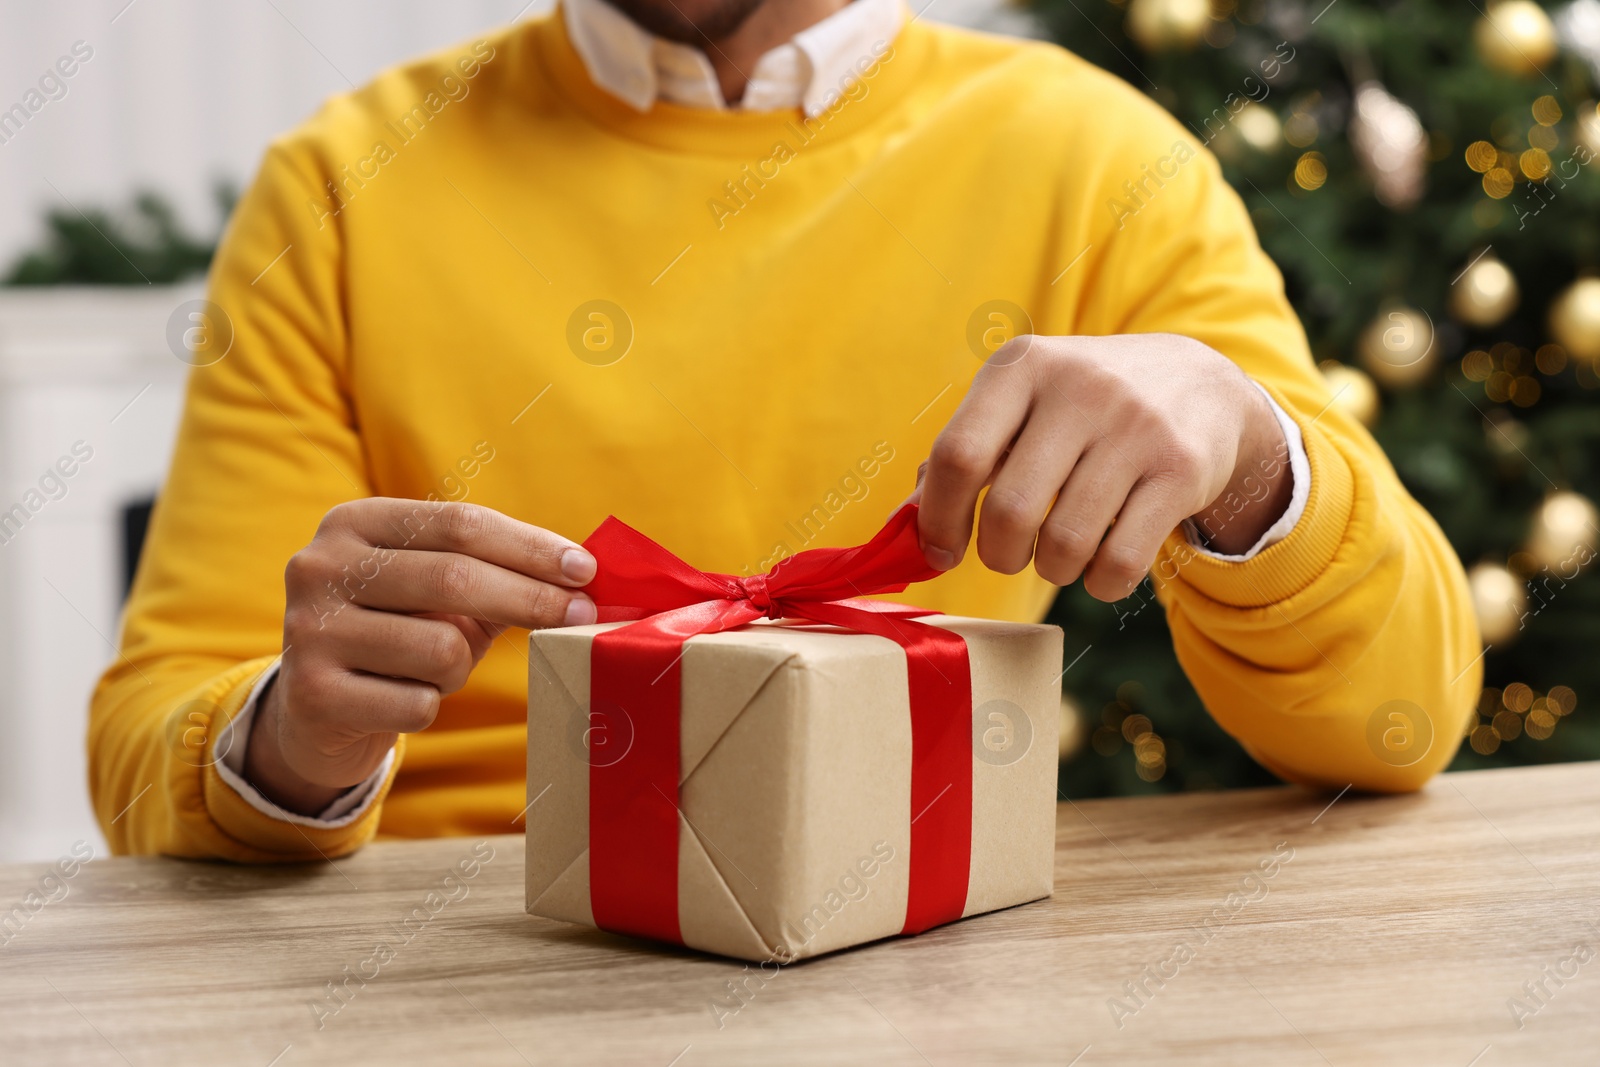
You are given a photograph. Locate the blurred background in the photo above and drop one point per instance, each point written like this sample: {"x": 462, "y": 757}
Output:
{"x": 1420, "y": 170}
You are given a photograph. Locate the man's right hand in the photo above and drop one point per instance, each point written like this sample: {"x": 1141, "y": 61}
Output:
{"x": 388, "y": 609}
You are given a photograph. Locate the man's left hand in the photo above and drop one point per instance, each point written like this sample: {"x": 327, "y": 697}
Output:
{"x": 1094, "y": 449}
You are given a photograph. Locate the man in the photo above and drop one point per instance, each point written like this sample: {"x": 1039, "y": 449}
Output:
{"x": 725, "y": 268}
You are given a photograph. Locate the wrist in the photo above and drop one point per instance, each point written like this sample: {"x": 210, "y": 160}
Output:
{"x": 266, "y": 769}
{"x": 1258, "y": 490}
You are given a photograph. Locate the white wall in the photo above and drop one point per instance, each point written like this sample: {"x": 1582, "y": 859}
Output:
{"x": 92, "y": 369}
{"x": 180, "y": 92}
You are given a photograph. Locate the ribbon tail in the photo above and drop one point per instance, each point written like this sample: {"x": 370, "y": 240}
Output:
{"x": 888, "y": 563}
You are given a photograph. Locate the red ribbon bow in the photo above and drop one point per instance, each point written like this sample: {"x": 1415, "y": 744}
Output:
{"x": 634, "y": 803}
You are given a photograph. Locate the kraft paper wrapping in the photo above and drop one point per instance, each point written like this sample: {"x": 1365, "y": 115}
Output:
{"x": 795, "y": 825}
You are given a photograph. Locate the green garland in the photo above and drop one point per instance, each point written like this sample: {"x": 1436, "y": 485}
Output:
{"x": 143, "y": 244}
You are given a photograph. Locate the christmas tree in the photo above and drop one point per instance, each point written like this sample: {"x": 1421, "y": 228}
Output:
{"x": 1425, "y": 176}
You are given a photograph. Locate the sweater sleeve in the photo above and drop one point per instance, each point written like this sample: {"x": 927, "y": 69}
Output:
{"x": 267, "y": 445}
{"x": 1347, "y": 653}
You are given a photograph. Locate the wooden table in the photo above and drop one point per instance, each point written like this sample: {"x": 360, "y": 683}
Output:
{"x": 1391, "y": 930}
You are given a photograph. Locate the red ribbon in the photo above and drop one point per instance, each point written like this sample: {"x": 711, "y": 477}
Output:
{"x": 635, "y": 680}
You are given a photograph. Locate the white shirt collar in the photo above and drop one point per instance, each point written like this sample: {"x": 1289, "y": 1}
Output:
{"x": 810, "y": 72}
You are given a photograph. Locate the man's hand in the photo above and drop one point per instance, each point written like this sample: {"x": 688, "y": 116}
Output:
{"x": 1094, "y": 449}
{"x": 389, "y": 608}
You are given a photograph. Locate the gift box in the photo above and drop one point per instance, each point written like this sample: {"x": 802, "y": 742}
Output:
{"x": 720, "y": 775}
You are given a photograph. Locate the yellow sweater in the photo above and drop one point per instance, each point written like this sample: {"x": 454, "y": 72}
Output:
{"x": 409, "y": 284}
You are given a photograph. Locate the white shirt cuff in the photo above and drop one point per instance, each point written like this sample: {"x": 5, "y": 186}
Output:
{"x": 235, "y": 739}
{"x": 1299, "y": 471}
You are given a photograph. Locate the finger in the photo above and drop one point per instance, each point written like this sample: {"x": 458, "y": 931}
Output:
{"x": 376, "y": 704}
{"x": 1089, "y": 502}
{"x": 402, "y": 646}
{"x": 480, "y": 633}
{"x": 470, "y": 529}
{"x": 1022, "y": 491}
{"x": 453, "y": 583}
{"x": 1124, "y": 558}
{"x": 343, "y": 707}
{"x": 964, "y": 457}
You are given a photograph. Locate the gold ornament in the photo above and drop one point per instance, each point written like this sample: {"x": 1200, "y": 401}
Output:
{"x": 1589, "y": 127}
{"x": 1516, "y": 37}
{"x": 1311, "y": 171}
{"x": 1259, "y": 127}
{"x": 1353, "y": 392}
{"x": 1578, "y": 27}
{"x": 1390, "y": 145}
{"x": 1575, "y": 319}
{"x": 1506, "y": 437}
{"x": 1499, "y": 598}
{"x": 1565, "y": 531}
{"x": 1167, "y": 25}
{"x": 1397, "y": 347}
{"x": 1485, "y": 293}
{"x": 1070, "y": 738}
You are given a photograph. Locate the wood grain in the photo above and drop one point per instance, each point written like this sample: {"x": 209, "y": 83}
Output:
{"x": 1391, "y": 930}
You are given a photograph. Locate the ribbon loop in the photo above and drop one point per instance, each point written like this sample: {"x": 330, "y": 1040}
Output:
{"x": 636, "y": 671}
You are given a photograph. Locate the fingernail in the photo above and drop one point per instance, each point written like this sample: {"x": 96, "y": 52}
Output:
{"x": 580, "y": 612}
{"x": 940, "y": 558}
{"x": 577, "y": 565}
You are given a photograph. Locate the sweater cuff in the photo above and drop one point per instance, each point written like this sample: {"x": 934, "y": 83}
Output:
{"x": 1300, "y": 475}
{"x": 256, "y": 822}
{"x": 1281, "y": 570}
